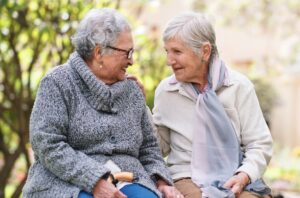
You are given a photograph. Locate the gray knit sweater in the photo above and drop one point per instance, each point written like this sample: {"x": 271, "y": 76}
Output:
{"x": 78, "y": 123}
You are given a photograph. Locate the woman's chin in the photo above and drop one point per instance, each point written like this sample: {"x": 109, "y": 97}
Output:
{"x": 122, "y": 77}
{"x": 179, "y": 78}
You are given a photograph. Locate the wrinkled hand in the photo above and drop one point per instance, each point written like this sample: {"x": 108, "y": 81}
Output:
{"x": 237, "y": 183}
{"x": 168, "y": 191}
{"x": 139, "y": 83}
{"x": 105, "y": 189}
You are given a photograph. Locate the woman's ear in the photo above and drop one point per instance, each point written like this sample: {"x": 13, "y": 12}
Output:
{"x": 206, "y": 51}
{"x": 96, "y": 54}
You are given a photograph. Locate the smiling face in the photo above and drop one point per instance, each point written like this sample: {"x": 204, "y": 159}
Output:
{"x": 185, "y": 63}
{"x": 115, "y": 63}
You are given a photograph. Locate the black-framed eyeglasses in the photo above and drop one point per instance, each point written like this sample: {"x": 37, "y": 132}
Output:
{"x": 128, "y": 52}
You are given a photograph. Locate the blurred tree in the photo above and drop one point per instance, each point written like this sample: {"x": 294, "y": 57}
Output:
{"x": 34, "y": 35}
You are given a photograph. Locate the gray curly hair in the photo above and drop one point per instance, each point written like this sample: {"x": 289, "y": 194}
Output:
{"x": 193, "y": 29}
{"x": 99, "y": 26}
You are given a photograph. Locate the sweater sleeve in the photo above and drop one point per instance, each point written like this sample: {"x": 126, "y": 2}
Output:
{"x": 149, "y": 154}
{"x": 48, "y": 136}
{"x": 256, "y": 139}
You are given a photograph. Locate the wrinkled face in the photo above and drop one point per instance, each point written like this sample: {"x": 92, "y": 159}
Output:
{"x": 185, "y": 64}
{"x": 116, "y": 62}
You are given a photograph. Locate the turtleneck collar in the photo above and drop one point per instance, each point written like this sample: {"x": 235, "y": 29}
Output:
{"x": 99, "y": 95}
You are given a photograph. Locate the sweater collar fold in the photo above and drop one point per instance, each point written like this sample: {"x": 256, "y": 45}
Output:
{"x": 99, "y": 95}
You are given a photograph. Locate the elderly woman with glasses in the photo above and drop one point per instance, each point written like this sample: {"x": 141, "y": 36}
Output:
{"x": 89, "y": 121}
{"x": 208, "y": 117}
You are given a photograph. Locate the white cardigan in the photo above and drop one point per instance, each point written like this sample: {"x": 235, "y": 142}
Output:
{"x": 174, "y": 116}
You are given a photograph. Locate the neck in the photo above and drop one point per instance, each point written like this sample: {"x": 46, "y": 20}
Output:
{"x": 95, "y": 69}
{"x": 201, "y": 84}
{"x": 201, "y": 80}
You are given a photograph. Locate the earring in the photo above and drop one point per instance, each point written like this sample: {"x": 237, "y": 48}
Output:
{"x": 100, "y": 65}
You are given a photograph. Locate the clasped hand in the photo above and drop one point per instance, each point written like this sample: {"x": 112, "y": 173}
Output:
{"x": 105, "y": 189}
{"x": 168, "y": 191}
{"x": 237, "y": 183}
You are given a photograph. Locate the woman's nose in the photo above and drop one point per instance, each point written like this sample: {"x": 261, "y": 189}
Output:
{"x": 170, "y": 60}
{"x": 130, "y": 61}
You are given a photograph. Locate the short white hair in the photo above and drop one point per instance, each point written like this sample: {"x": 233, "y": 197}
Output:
{"x": 194, "y": 29}
{"x": 99, "y": 26}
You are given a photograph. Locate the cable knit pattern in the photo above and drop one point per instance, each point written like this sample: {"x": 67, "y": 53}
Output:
{"x": 78, "y": 123}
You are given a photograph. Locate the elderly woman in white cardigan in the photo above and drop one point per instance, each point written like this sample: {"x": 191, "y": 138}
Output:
{"x": 208, "y": 117}
{"x": 87, "y": 113}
